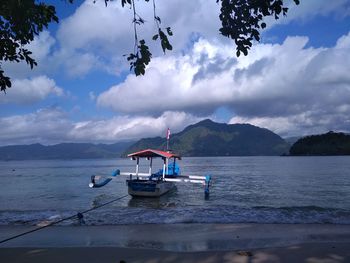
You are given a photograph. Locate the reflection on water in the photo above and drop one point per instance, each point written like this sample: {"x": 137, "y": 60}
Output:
{"x": 164, "y": 201}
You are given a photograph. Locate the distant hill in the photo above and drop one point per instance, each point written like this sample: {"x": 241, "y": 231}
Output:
{"x": 63, "y": 151}
{"x": 208, "y": 138}
{"x": 330, "y": 143}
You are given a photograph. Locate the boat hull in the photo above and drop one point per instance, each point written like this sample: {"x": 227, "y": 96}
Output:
{"x": 148, "y": 188}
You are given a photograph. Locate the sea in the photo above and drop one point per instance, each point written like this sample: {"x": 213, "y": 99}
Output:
{"x": 285, "y": 190}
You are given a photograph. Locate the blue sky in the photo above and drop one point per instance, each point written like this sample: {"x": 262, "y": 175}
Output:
{"x": 294, "y": 82}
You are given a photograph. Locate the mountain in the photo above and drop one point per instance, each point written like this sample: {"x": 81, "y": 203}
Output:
{"x": 330, "y": 143}
{"x": 208, "y": 138}
{"x": 63, "y": 151}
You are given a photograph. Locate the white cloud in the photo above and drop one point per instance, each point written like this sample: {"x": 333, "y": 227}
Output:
{"x": 110, "y": 29}
{"x": 303, "y": 123}
{"x": 96, "y": 37}
{"x": 130, "y": 128}
{"x": 43, "y": 126}
{"x": 169, "y": 85}
{"x": 29, "y": 91}
{"x": 78, "y": 64}
{"x": 42, "y": 45}
{"x": 53, "y": 125}
{"x": 275, "y": 81}
{"x": 103, "y": 34}
{"x": 96, "y": 26}
{"x": 206, "y": 78}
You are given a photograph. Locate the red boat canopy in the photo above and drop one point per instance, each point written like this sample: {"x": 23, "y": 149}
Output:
{"x": 154, "y": 153}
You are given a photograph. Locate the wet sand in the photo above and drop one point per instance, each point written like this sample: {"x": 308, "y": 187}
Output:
{"x": 179, "y": 243}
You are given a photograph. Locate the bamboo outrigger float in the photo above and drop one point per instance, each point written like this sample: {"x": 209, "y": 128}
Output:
{"x": 155, "y": 184}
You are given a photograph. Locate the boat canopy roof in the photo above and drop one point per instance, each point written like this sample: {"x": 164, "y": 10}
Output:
{"x": 154, "y": 153}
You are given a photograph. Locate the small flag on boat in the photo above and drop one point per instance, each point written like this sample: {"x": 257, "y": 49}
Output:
{"x": 168, "y": 134}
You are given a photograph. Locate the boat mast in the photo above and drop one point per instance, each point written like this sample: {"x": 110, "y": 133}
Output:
{"x": 167, "y": 139}
{"x": 167, "y": 149}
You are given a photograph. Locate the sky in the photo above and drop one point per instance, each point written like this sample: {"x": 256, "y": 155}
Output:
{"x": 295, "y": 82}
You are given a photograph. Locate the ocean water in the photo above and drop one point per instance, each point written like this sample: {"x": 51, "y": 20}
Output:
{"x": 244, "y": 189}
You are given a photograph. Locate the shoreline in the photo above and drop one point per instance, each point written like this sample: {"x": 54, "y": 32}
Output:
{"x": 311, "y": 253}
{"x": 177, "y": 237}
{"x": 179, "y": 243}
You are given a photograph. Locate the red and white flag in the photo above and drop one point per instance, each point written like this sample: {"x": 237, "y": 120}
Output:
{"x": 168, "y": 134}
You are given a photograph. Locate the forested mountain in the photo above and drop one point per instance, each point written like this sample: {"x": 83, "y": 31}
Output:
{"x": 205, "y": 138}
{"x": 208, "y": 138}
{"x": 62, "y": 151}
{"x": 330, "y": 143}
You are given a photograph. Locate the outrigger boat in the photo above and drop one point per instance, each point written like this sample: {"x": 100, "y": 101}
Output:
{"x": 155, "y": 184}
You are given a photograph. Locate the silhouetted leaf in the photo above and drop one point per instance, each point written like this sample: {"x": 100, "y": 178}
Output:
{"x": 124, "y": 2}
{"x": 242, "y": 19}
{"x": 158, "y": 19}
{"x": 168, "y": 29}
{"x": 141, "y": 59}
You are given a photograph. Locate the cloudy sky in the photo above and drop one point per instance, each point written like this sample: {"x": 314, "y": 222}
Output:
{"x": 296, "y": 81}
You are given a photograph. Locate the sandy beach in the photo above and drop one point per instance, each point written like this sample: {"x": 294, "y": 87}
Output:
{"x": 179, "y": 243}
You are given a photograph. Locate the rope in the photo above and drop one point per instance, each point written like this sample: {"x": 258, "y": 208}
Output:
{"x": 78, "y": 215}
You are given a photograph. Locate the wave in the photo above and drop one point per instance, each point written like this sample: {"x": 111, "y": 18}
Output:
{"x": 171, "y": 215}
